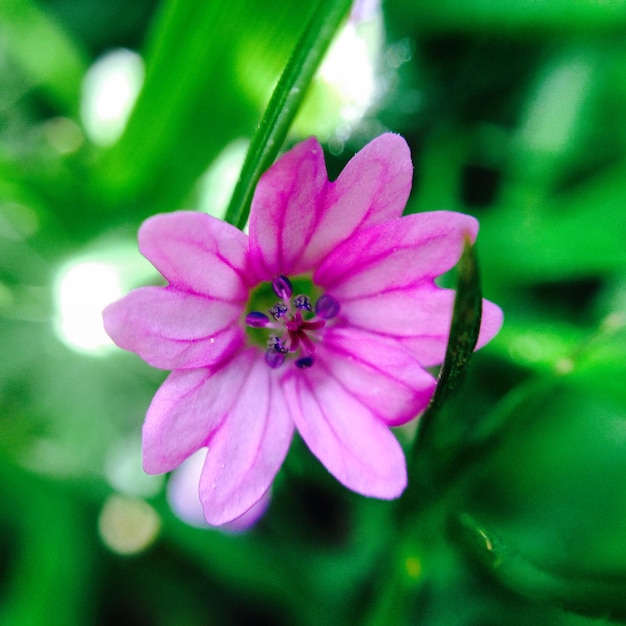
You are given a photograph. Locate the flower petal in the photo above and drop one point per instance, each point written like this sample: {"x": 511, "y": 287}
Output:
{"x": 378, "y": 371}
{"x": 171, "y": 329}
{"x": 184, "y": 413}
{"x": 373, "y": 187}
{"x": 184, "y": 499}
{"x": 198, "y": 253}
{"x": 490, "y": 323}
{"x": 250, "y": 446}
{"x": 419, "y": 317}
{"x": 298, "y": 217}
{"x": 286, "y": 202}
{"x": 355, "y": 446}
{"x": 191, "y": 406}
{"x": 396, "y": 254}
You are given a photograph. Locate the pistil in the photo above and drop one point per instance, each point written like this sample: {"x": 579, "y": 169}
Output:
{"x": 288, "y": 315}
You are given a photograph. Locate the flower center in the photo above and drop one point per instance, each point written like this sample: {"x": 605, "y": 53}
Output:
{"x": 294, "y": 323}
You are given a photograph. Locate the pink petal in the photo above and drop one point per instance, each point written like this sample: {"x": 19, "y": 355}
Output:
{"x": 430, "y": 348}
{"x": 419, "y": 317}
{"x": 182, "y": 490}
{"x": 185, "y": 411}
{"x": 374, "y": 187}
{"x": 283, "y": 214}
{"x": 246, "y": 452}
{"x": 298, "y": 217}
{"x": 378, "y": 371}
{"x": 191, "y": 405}
{"x": 246, "y": 521}
{"x": 491, "y": 322}
{"x": 396, "y": 254}
{"x": 198, "y": 253}
{"x": 171, "y": 329}
{"x": 354, "y": 445}
{"x": 184, "y": 499}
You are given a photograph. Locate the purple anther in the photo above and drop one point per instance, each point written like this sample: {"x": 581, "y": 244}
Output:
{"x": 327, "y": 307}
{"x": 275, "y": 344}
{"x": 305, "y": 362}
{"x": 256, "y": 319}
{"x": 282, "y": 287}
{"x": 303, "y": 303}
{"x": 274, "y": 359}
{"x": 279, "y": 310}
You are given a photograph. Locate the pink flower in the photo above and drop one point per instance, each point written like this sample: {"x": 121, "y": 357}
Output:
{"x": 182, "y": 495}
{"x": 323, "y": 319}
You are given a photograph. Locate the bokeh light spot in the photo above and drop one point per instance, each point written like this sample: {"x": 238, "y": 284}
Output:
{"x": 413, "y": 567}
{"x": 127, "y": 525}
{"x": 348, "y": 69}
{"x": 110, "y": 89}
{"x": 84, "y": 289}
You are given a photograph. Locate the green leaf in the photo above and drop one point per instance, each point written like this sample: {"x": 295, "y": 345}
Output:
{"x": 510, "y": 15}
{"x": 576, "y": 234}
{"x": 209, "y": 68}
{"x": 461, "y": 343}
{"x": 285, "y": 102}
{"x": 545, "y": 491}
{"x": 47, "y": 55}
{"x": 50, "y": 572}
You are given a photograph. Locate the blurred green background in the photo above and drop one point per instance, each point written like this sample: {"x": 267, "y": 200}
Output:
{"x": 515, "y": 111}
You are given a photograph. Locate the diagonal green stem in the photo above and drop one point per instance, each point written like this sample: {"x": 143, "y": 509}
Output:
{"x": 285, "y": 103}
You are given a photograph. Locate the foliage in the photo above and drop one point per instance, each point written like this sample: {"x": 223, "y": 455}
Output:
{"x": 516, "y": 113}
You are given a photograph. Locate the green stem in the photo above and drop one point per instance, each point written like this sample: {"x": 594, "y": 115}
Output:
{"x": 285, "y": 103}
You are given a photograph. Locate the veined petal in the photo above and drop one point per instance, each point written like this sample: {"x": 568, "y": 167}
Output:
{"x": 250, "y": 446}
{"x": 373, "y": 187}
{"x": 199, "y": 253}
{"x": 354, "y": 445}
{"x": 191, "y": 406}
{"x": 185, "y": 412}
{"x": 396, "y": 254}
{"x": 378, "y": 371}
{"x": 171, "y": 329}
{"x": 419, "y": 317}
{"x": 298, "y": 217}
{"x": 284, "y": 209}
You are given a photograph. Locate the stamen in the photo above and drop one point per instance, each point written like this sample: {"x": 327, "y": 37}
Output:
{"x": 294, "y": 335}
{"x": 282, "y": 287}
{"x": 327, "y": 307}
{"x": 275, "y": 344}
{"x": 303, "y": 303}
{"x": 279, "y": 310}
{"x": 305, "y": 362}
{"x": 274, "y": 359}
{"x": 256, "y": 319}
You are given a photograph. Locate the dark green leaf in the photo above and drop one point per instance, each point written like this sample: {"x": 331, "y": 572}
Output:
{"x": 462, "y": 341}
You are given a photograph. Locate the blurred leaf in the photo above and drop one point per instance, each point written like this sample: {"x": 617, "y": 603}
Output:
{"x": 209, "y": 68}
{"x": 285, "y": 103}
{"x": 545, "y": 503}
{"x": 576, "y": 234}
{"x": 509, "y": 16}
{"x": 49, "y": 569}
{"x": 47, "y": 54}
